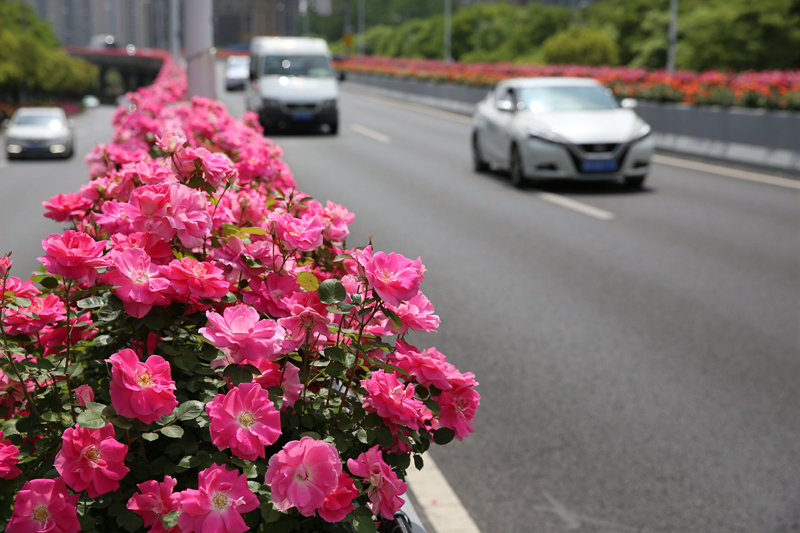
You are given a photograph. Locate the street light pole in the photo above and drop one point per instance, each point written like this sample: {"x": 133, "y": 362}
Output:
{"x": 448, "y": 15}
{"x": 361, "y": 27}
{"x": 673, "y": 35}
{"x": 199, "y": 32}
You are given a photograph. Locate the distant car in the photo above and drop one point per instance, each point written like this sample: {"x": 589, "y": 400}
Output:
{"x": 237, "y": 68}
{"x": 39, "y": 132}
{"x": 561, "y": 128}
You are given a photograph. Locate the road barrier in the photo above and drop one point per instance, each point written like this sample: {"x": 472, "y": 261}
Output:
{"x": 760, "y": 137}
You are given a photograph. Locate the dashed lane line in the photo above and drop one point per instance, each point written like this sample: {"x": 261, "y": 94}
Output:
{"x": 728, "y": 172}
{"x": 580, "y": 207}
{"x": 372, "y": 134}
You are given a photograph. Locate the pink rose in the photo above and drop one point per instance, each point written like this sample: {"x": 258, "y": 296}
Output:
{"x": 70, "y": 206}
{"x": 241, "y": 334}
{"x": 9, "y": 457}
{"x": 270, "y": 296}
{"x": 416, "y": 314}
{"x": 303, "y": 474}
{"x": 155, "y": 500}
{"x": 395, "y": 278}
{"x": 157, "y": 248}
{"x": 84, "y": 394}
{"x": 458, "y": 406}
{"x": 301, "y": 234}
{"x": 188, "y": 215}
{"x": 337, "y": 219}
{"x": 244, "y": 420}
{"x": 141, "y": 390}
{"x": 217, "y": 504}
{"x": 91, "y": 460}
{"x": 73, "y": 255}
{"x": 5, "y": 265}
{"x": 30, "y": 320}
{"x": 340, "y": 501}
{"x": 286, "y": 377}
{"x": 114, "y": 218}
{"x": 428, "y": 368}
{"x": 148, "y": 209}
{"x": 170, "y": 142}
{"x": 140, "y": 283}
{"x": 44, "y": 505}
{"x": 394, "y": 402}
{"x": 190, "y": 277}
{"x": 385, "y": 488}
{"x": 54, "y": 338}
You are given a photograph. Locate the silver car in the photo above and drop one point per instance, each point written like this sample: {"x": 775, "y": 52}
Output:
{"x": 560, "y": 128}
{"x": 39, "y": 132}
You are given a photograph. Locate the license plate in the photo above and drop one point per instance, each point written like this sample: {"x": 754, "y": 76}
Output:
{"x": 599, "y": 165}
{"x": 303, "y": 116}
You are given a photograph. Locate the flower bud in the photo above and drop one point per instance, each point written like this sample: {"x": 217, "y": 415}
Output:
{"x": 170, "y": 142}
{"x": 85, "y": 394}
{"x": 5, "y": 265}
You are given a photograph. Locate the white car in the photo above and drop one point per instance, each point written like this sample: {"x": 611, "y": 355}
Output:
{"x": 560, "y": 128}
{"x": 39, "y": 132}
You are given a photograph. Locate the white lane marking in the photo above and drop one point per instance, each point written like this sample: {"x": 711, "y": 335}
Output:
{"x": 573, "y": 521}
{"x": 420, "y": 108}
{"x": 729, "y": 172}
{"x": 372, "y": 134}
{"x": 438, "y": 501}
{"x": 576, "y": 206}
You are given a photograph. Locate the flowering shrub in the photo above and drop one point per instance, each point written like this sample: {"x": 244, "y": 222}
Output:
{"x": 205, "y": 352}
{"x": 777, "y": 89}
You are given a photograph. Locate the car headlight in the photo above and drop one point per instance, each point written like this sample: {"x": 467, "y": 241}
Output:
{"x": 546, "y": 135}
{"x": 641, "y": 133}
{"x": 329, "y": 104}
{"x": 270, "y": 104}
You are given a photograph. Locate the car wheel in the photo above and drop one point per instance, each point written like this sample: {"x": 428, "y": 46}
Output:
{"x": 478, "y": 164}
{"x": 334, "y": 128}
{"x": 634, "y": 182}
{"x": 515, "y": 171}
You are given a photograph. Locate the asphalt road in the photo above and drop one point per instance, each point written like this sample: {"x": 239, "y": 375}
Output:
{"x": 638, "y": 364}
{"x": 639, "y": 371}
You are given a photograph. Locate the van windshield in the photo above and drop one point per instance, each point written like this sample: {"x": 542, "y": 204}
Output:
{"x": 285, "y": 65}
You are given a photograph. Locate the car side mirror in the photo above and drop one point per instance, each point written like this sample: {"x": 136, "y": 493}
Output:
{"x": 341, "y": 75}
{"x": 252, "y": 76}
{"x": 629, "y": 103}
{"x": 505, "y": 105}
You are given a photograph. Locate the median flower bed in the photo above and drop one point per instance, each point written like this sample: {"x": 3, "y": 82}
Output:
{"x": 205, "y": 352}
{"x": 769, "y": 89}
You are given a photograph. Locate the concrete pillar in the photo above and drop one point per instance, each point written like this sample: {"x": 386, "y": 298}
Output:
{"x": 198, "y": 34}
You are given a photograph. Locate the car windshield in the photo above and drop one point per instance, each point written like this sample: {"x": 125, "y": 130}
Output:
{"x": 238, "y": 62}
{"x": 38, "y": 120}
{"x": 545, "y": 99}
{"x": 283, "y": 65}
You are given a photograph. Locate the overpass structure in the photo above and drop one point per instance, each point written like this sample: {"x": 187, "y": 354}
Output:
{"x": 121, "y": 69}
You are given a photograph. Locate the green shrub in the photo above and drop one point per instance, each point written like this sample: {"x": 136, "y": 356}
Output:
{"x": 581, "y": 46}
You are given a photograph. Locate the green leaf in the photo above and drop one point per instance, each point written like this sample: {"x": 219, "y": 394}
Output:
{"x": 74, "y": 370}
{"x": 443, "y": 435}
{"x": 129, "y": 520}
{"x": 173, "y": 432}
{"x": 391, "y": 315}
{"x": 91, "y": 420}
{"x": 22, "y": 302}
{"x": 87, "y": 523}
{"x": 253, "y": 231}
{"x": 107, "y": 314}
{"x": 229, "y": 298}
{"x": 308, "y": 281}
{"x": 331, "y": 291}
{"x": 240, "y": 373}
{"x": 95, "y": 407}
{"x": 170, "y": 519}
{"x": 185, "y": 362}
{"x": 363, "y": 522}
{"x": 94, "y": 302}
{"x": 48, "y": 282}
{"x": 189, "y": 410}
{"x": 432, "y": 405}
{"x": 361, "y": 435}
{"x": 334, "y": 353}
{"x": 340, "y": 257}
{"x": 335, "y": 369}
{"x": 150, "y": 436}
{"x": 269, "y": 513}
{"x": 418, "y": 462}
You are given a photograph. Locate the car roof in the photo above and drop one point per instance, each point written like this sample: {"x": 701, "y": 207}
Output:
{"x": 289, "y": 45}
{"x": 551, "y": 82}
{"x": 40, "y": 111}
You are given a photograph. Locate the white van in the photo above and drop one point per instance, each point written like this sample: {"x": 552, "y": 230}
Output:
{"x": 292, "y": 83}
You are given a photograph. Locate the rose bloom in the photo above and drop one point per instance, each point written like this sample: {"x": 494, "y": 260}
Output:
{"x": 140, "y": 283}
{"x": 191, "y": 277}
{"x": 49, "y": 310}
{"x": 428, "y": 368}
{"x": 141, "y": 390}
{"x": 44, "y": 505}
{"x": 70, "y": 206}
{"x": 244, "y": 420}
{"x": 458, "y": 406}
{"x": 394, "y": 402}
{"x": 416, "y": 314}
{"x": 395, "y": 278}
{"x": 303, "y": 474}
{"x": 22, "y": 289}
{"x": 9, "y": 457}
{"x": 217, "y": 504}
{"x": 301, "y": 234}
{"x": 5, "y": 265}
{"x": 155, "y": 500}
{"x": 91, "y": 460}
{"x": 340, "y": 501}
{"x": 54, "y": 338}
{"x": 385, "y": 488}
{"x": 287, "y": 378}
{"x": 170, "y": 142}
{"x": 84, "y": 394}
{"x": 157, "y": 248}
{"x": 270, "y": 296}
{"x": 241, "y": 334}
{"x": 337, "y": 219}
{"x": 73, "y": 255}
{"x": 188, "y": 215}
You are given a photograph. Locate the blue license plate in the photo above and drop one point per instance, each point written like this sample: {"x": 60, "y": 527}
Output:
{"x": 303, "y": 116}
{"x": 599, "y": 165}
